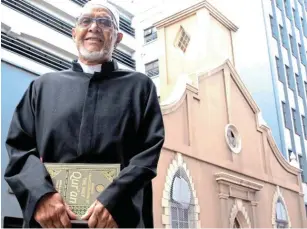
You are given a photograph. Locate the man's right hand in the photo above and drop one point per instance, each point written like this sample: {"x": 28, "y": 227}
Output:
{"x": 53, "y": 212}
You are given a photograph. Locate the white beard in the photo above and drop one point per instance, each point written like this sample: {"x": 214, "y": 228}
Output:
{"x": 95, "y": 55}
{"x": 91, "y": 56}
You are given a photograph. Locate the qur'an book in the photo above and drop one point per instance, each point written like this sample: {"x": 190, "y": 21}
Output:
{"x": 80, "y": 184}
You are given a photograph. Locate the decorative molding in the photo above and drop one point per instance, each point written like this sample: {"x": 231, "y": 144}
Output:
{"x": 238, "y": 211}
{"x": 278, "y": 195}
{"x": 192, "y": 10}
{"x": 223, "y": 196}
{"x": 227, "y": 178}
{"x": 173, "y": 167}
{"x": 238, "y": 147}
{"x": 277, "y": 153}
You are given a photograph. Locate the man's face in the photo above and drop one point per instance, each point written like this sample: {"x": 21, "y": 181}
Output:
{"x": 95, "y": 40}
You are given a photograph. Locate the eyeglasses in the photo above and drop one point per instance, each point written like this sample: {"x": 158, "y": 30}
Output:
{"x": 102, "y": 22}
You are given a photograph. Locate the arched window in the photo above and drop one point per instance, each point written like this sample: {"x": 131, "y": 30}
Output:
{"x": 281, "y": 215}
{"x": 182, "y": 202}
{"x": 236, "y": 224}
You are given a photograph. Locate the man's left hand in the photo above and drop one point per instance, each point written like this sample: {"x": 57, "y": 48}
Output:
{"x": 99, "y": 217}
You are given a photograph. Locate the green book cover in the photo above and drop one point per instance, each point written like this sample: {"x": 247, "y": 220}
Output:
{"x": 80, "y": 184}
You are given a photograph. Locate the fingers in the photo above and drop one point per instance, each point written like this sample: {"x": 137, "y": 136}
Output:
{"x": 45, "y": 221}
{"x": 93, "y": 221}
{"x": 109, "y": 221}
{"x": 70, "y": 213}
{"x": 47, "y": 224}
{"x": 112, "y": 223}
{"x": 65, "y": 221}
{"x": 103, "y": 220}
{"x": 89, "y": 212}
{"x": 57, "y": 223}
{"x": 49, "y": 211}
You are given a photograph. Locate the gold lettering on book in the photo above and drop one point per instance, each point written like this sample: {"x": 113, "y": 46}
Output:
{"x": 89, "y": 182}
{"x": 75, "y": 180}
{"x": 59, "y": 185}
{"x": 73, "y": 197}
{"x": 83, "y": 188}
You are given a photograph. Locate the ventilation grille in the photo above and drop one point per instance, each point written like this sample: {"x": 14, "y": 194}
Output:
{"x": 39, "y": 15}
{"x": 123, "y": 24}
{"x": 24, "y": 49}
{"x": 57, "y": 24}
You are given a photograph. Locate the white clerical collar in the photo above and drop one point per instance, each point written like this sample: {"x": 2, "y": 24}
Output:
{"x": 90, "y": 68}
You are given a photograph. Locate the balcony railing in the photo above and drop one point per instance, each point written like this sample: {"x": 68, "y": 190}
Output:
{"x": 39, "y": 15}
{"x": 38, "y": 55}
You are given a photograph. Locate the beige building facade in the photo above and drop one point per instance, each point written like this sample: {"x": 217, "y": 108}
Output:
{"x": 220, "y": 166}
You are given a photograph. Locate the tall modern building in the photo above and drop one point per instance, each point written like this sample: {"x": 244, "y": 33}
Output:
{"x": 270, "y": 55}
{"x": 286, "y": 30}
{"x": 35, "y": 39}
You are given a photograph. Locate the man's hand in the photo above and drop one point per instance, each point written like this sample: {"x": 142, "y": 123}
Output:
{"x": 52, "y": 212}
{"x": 99, "y": 217}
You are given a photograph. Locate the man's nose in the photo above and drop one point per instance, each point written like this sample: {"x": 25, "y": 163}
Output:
{"x": 94, "y": 27}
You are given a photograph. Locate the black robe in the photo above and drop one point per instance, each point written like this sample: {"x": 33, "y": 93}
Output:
{"x": 74, "y": 117}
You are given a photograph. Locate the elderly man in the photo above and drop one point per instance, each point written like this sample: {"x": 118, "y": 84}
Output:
{"x": 91, "y": 113}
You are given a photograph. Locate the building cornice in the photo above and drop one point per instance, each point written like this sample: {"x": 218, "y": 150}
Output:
{"x": 191, "y": 10}
{"x": 223, "y": 177}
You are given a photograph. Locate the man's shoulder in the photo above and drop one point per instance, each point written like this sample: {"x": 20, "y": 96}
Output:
{"x": 136, "y": 76}
{"x": 51, "y": 77}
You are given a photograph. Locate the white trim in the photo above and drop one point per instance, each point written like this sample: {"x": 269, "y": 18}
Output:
{"x": 174, "y": 166}
{"x": 237, "y": 137}
{"x": 238, "y": 209}
{"x": 278, "y": 195}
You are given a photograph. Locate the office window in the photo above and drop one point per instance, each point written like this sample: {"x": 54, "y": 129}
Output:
{"x": 278, "y": 68}
{"x": 293, "y": 46}
{"x": 289, "y": 154}
{"x": 150, "y": 34}
{"x": 304, "y": 126}
{"x": 297, "y": 79}
{"x": 288, "y": 72}
{"x": 304, "y": 26}
{"x": 273, "y": 27}
{"x": 300, "y": 161}
{"x": 279, "y": 4}
{"x": 287, "y": 8}
{"x": 301, "y": 51}
{"x": 282, "y": 36}
{"x": 296, "y": 20}
{"x": 152, "y": 68}
{"x": 294, "y": 118}
{"x": 284, "y": 110}
{"x": 182, "y": 40}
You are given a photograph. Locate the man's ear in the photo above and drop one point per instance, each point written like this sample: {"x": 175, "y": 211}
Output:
{"x": 119, "y": 38}
{"x": 73, "y": 33}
